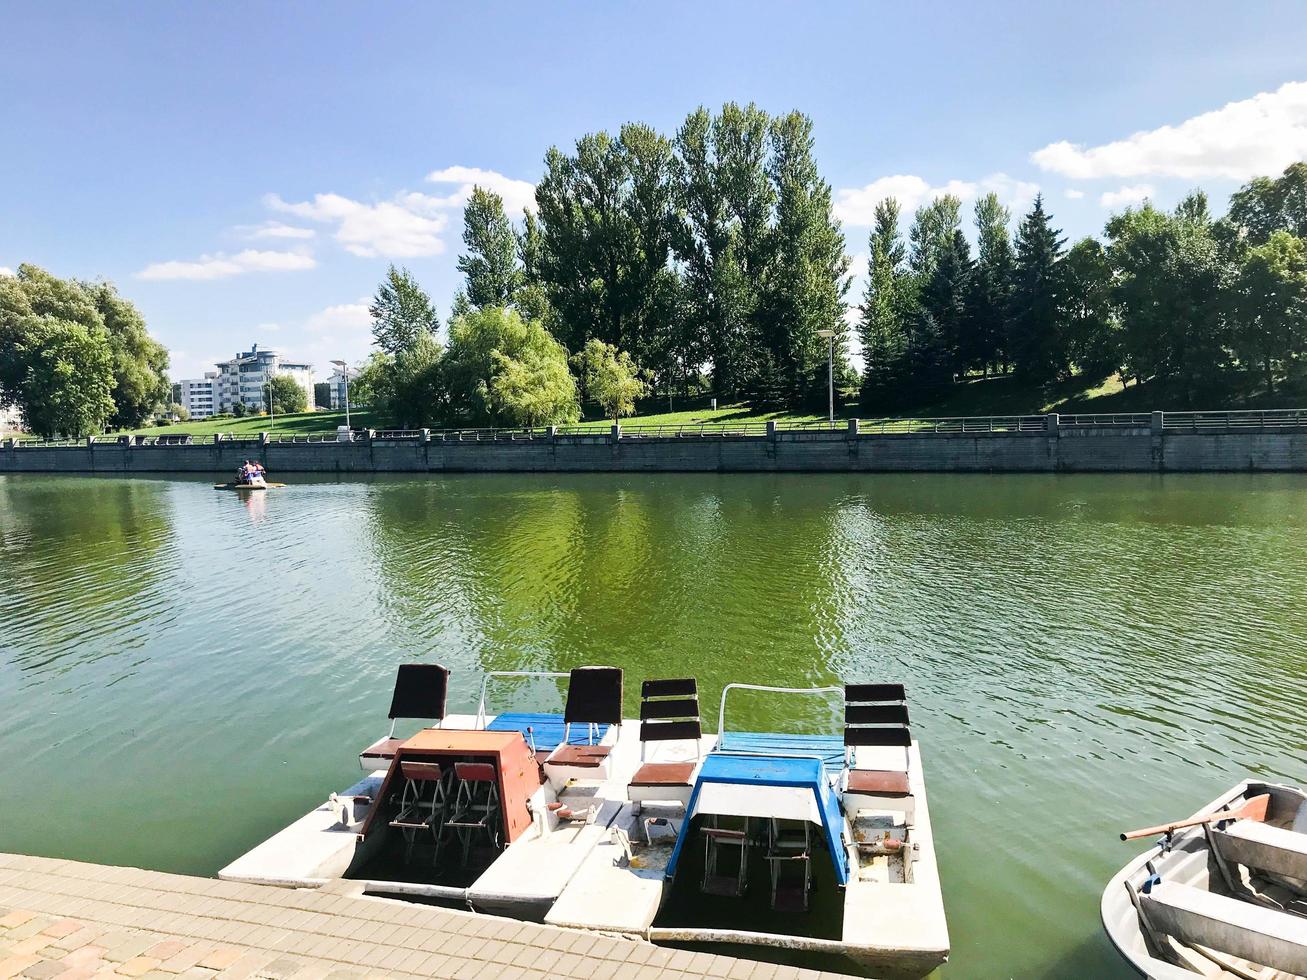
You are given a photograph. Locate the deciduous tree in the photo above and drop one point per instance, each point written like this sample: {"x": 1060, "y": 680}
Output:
{"x": 490, "y": 263}
{"x": 401, "y": 312}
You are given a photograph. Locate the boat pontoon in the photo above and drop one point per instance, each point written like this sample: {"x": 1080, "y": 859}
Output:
{"x": 1222, "y": 894}
{"x": 819, "y": 843}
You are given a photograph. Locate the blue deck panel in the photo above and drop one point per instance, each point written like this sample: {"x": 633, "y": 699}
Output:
{"x": 764, "y": 769}
{"x": 829, "y": 747}
{"x": 546, "y": 729}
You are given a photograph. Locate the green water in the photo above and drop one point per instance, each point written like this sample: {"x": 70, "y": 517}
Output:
{"x": 182, "y": 672}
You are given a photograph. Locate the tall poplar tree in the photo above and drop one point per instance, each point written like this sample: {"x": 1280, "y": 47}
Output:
{"x": 401, "y": 313}
{"x": 490, "y": 263}
{"x": 803, "y": 292}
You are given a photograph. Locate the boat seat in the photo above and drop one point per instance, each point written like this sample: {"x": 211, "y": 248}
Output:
{"x": 380, "y": 754}
{"x": 878, "y": 783}
{"x": 594, "y": 700}
{"x": 655, "y": 774}
{"x": 420, "y": 693}
{"x": 1260, "y": 846}
{"x": 669, "y": 712}
{"x": 1260, "y": 935}
{"x": 582, "y": 756}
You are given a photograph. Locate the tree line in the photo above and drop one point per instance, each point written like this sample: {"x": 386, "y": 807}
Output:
{"x": 1203, "y": 308}
{"x": 75, "y": 356}
{"x": 712, "y": 261}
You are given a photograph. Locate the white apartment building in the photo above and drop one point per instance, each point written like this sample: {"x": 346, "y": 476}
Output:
{"x": 242, "y": 379}
{"x": 199, "y": 396}
{"x": 337, "y": 383}
{"x": 11, "y": 421}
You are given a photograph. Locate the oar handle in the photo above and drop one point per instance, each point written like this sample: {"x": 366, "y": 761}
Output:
{"x": 1252, "y": 809}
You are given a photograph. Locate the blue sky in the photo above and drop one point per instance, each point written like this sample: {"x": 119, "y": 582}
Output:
{"x": 244, "y": 172}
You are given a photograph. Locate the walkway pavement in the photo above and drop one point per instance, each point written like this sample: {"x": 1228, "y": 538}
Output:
{"x": 70, "y": 920}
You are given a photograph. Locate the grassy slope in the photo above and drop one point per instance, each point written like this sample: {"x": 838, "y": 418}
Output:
{"x": 991, "y": 396}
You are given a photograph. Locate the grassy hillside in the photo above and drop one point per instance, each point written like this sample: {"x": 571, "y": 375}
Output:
{"x": 976, "y": 396}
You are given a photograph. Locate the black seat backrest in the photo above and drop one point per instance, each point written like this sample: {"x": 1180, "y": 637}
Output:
{"x": 594, "y": 696}
{"x": 420, "y": 692}
{"x": 876, "y": 714}
{"x": 669, "y": 709}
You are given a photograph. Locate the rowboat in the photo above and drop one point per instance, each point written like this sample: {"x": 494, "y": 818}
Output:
{"x": 1222, "y": 894}
{"x": 248, "y": 487}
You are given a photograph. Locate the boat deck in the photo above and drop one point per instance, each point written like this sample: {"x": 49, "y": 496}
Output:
{"x": 72, "y": 919}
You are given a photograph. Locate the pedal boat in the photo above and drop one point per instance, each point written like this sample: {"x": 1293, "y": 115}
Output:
{"x": 493, "y": 812}
{"x": 1220, "y": 899}
{"x": 259, "y": 484}
{"x": 818, "y": 843}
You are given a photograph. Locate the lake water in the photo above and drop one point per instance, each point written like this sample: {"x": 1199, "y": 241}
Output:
{"x": 182, "y": 672}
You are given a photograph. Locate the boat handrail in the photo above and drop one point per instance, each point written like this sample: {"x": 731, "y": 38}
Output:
{"x": 485, "y": 683}
{"x": 721, "y": 714}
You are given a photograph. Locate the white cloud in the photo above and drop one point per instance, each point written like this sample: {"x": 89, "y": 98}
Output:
{"x": 275, "y": 229}
{"x": 6, "y": 271}
{"x": 858, "y": 265}
{"x": 856, "y": 206}
{"x": 1242, "y": 139}
{"x": 395, "y": 229}
{"x": 268, "y": 328}
{"x": 1074, "y": 194}
{"x": 221, "y": 266}
{"x": 1134, "y": 194}
{"x": 517, "y": 194}
{"x": 346, "y": 317}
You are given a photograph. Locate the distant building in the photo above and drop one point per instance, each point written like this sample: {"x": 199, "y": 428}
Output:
{"x": 199, "y": 396}
{"x": 242, "y": 379}
{"x": 11, "y": 420}
{"x": 337, "y": 383}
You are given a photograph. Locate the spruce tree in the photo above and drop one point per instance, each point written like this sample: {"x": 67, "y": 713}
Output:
{"x": 1036, "y": 339}
{"x": 944, "y": 297}
{"x": 882, "y": 326}
{"x": 991, "y": 287}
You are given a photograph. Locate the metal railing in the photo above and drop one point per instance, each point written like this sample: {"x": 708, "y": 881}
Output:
{"x": 1233, "y": 421}
{"x": 1280, "y": 418}
{"x": 1116, "y": 420}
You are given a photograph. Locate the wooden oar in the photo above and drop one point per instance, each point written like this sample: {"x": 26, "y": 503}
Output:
{"x": 1253, "y": 809}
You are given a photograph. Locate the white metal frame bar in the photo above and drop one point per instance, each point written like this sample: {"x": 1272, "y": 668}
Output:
{"x": 721, "y": 714}
{"x": 485, "y": 683}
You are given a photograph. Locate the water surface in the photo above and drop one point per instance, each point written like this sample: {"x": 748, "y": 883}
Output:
{"x": 182, "y": 672}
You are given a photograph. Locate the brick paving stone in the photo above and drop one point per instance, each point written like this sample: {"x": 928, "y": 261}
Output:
{"x": 134, "y": 946}
{"x": 165, "y": 950}
{"x": 185, "y": 959}
{"x": 12, "y": 966}
{"x": 137, "y": 966}
{"x": 62, "y": 928}
{"x": 44, "y": 970}
{"x": 221, "y": 958}
{"x": 15, "y": 919}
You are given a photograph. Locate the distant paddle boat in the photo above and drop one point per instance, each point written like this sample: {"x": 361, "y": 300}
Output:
{"x": 258, "y": 484}
{"x": 1222, "y": 894}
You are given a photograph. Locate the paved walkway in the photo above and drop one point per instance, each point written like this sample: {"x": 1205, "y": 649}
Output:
{"x": 70, "y": 920}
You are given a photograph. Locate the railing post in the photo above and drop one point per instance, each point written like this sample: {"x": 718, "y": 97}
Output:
{"x": 1052, "y": 423}
{"x": 553, "y": 433}
{"x": 90, "y": 441}
{"x": 771, "y": 429}
{"x": 217, "y": 438}
{"x": 264, "y": 439}
{"x": 616, "y": 431}
{"x": 853, "y": 428}
{"x": 1157, "y": 423}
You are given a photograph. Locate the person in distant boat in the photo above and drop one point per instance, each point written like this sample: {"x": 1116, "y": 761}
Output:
{"x": 248, "y": 472}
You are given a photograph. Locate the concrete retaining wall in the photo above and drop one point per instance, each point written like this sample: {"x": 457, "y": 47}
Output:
{"x": 1078, "y": 450}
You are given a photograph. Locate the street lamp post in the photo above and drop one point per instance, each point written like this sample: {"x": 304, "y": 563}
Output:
{"x": 272, "y": 411}
{"x": 344, "y": 371}
{"x": 829, "y": 335}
